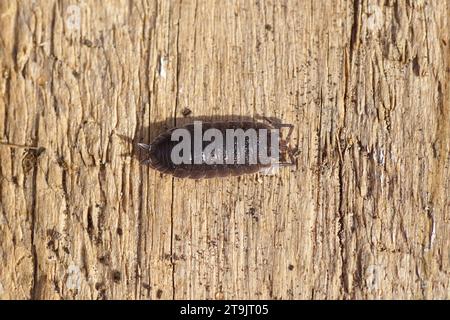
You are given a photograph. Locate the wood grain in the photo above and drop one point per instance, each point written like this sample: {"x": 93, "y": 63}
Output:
{"x": 365, "y": 214}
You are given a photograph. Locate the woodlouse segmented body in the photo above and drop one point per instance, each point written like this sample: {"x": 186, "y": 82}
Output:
{"x": 160, "y": 150}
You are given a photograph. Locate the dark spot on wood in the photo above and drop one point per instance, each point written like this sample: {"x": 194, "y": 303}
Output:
{"x": 53, "y": 234}
{"x": 252, "y": 212}
{"x": 56, "y": 287}
{"x": 105, "y": 259}
{"x": 416, "y": 66}
{"x": 87, "y": 43}
{"x": 146, "y": 286}
{"x": 100, "y": 287}
{"x": 182, "y": 257}
{"x": 30, "y": 158}
{"x": 291, "y": 267}
{"x": 177, "y": 237}
{"x": 116, "y": 275}
{"x": 159, "y": 293}
{"x": 62, "y": 163}
{"x": 119, "y": 231}
{"x": 268, "y": 27}
{"x": 186, "y": 111}
{"x": 51, "y": 245}
{"x": 90, "y": 224}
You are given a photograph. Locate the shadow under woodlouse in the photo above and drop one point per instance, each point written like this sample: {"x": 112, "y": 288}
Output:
{"x": 146, "y": 134}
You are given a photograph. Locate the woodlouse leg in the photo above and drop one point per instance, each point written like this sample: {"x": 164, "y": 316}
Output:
{"x": 146, "y": 162}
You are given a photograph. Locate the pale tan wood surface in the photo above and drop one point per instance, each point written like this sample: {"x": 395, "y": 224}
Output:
{"x": 365, "y": 214}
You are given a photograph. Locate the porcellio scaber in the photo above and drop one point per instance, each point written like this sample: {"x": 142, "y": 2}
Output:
{"x": 158, "y": 154}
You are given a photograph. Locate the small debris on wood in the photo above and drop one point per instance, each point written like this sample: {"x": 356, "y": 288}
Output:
{"x": 186, "y": 111}
{"x": 116, "y": 276}
{"x": 87, "y": 43}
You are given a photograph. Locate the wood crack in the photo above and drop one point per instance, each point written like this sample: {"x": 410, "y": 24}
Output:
{"x": 172, "y": 260}
{"x": 341, "y": 231}
{"x": 34, "y": 294}
{"x": 354, "y": 42}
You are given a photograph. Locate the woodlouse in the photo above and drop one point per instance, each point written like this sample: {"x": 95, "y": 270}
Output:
{"x": 158, "y": 153}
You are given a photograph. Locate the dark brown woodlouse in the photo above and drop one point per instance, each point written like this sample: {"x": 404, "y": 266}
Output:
{"x": 158, "y": 153}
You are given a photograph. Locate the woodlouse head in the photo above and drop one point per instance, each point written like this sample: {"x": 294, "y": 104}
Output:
{"x": 149, "y": 150}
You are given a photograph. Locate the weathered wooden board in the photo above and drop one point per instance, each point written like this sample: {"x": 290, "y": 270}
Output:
{"x": 365, "y": 214}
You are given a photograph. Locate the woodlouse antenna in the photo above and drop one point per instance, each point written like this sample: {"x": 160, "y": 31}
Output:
{"x": 144, "y": 146}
